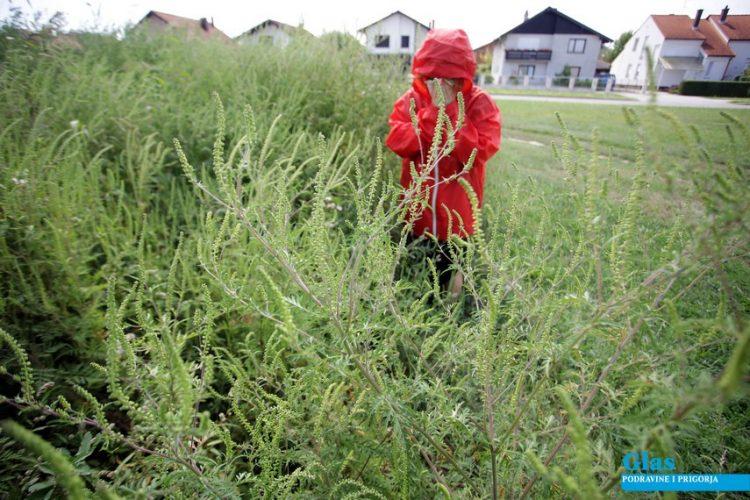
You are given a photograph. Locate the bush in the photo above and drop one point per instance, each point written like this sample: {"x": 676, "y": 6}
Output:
{"x": 715, "y": 88}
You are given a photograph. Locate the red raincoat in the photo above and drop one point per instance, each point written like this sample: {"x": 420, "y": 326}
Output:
{"x": 445, "y": 54}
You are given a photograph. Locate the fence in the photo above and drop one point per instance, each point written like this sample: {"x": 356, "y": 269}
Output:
{"x": 554, "y": 82}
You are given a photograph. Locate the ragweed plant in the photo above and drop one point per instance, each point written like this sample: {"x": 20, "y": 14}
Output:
{"x": 236, "y": 313}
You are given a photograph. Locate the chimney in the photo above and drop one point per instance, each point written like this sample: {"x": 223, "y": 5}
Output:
{"x": 526, "y": 16}
{"x": 212, "y": 20}
{"x": 697, "y": 19}
{"x": 432, "y": 24}
{"x": 724, "y": 13}
{"x": 204, "y": 24}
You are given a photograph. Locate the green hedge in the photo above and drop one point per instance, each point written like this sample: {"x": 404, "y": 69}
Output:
{"x": 715, "y": 88}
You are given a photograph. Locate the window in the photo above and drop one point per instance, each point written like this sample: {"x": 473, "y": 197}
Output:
{"x": 382, "y": 41}
{"x": 643, "y": 46}
{"x": 576, "y": 46}
{"x": 526, "y": 70}
{"x": 404, "y": 41}
{"x": 635, "y": 44}
{"x": 575, "y": 71}
{"x": 637, "y": 72}
{"x": 627, "y": 71}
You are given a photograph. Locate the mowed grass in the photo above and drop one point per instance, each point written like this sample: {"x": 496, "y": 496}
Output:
{"x": 531, "y": 131}
{"x": 537, "y": 121}
{"x": 581, "y": 94}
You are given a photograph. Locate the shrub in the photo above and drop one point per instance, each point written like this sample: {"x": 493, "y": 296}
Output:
{"x": 715, "y": 88}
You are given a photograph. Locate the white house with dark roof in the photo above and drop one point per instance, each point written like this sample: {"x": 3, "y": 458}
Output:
{"x": 543, "y": 45}
{"x": 715, "y": 48}
{"x": 271, "y": 32}
{"x": 395, "y": 34}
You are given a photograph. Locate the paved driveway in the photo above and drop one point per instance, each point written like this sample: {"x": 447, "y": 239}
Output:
{"x": 638, "y": 99}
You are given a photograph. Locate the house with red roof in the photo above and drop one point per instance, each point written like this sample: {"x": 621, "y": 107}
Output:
{"x": 684, "y": 48}
{"x": 158, "y": 22}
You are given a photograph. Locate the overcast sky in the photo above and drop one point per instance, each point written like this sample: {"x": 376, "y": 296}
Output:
{"x": 483, "y": 20}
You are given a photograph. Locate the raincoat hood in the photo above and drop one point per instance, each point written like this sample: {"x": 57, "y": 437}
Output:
{"x": 445, "y": 54}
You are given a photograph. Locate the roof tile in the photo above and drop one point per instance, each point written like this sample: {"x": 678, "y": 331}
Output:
{"x": 737, "y": 27}
{"x": 714, "y": 44}
{"x": 677, "y": 27}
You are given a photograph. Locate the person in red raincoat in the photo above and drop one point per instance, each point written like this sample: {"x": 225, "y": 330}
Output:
{"x": 445, "y": 59}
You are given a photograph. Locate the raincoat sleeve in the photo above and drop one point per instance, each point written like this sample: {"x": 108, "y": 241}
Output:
{"x": 481, "y": 130}
{"x": 402, "y": 139}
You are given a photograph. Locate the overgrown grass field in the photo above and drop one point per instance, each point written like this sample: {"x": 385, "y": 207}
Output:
{"x": 206, "y": 289}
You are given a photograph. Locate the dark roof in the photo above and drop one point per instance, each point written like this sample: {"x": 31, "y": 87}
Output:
{"x": 283, "y": 26}
{"x": 201, "y": 27}
{"x": 394, "y": 13}
{"x": 551, "y": 21}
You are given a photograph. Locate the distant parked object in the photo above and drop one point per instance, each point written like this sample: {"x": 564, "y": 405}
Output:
{"x": 543, "y": 46}
{"x": 715, "y": 48}
{"x": 158, "y": 22}
{"x": 271, "y": 32}
{"x": 396, "y": 34}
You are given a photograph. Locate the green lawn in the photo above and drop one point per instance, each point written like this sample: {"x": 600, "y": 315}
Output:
{"x": 536, "y": 121}
{"x": 531, "y": 128}
{"x": 581, "y": 94}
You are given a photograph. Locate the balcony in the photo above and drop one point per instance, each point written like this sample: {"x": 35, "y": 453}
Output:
{"x": 528, "y": 55}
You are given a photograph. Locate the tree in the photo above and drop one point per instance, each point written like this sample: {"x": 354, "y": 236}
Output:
{"x": 610, "y": 56}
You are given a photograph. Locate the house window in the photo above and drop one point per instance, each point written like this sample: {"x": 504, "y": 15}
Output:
{"x": 635, "y": 44}
{"x": 637, "y": 71}
{"x": 526, "y": 70}
{"x": 576, "y": 46}
{"x": 643, "y": 47}
{"x": 382, "y": 41}
{"x": 404, "y": 41}
{"x": 627, "y": 71}
{"x": 575, "y": 71}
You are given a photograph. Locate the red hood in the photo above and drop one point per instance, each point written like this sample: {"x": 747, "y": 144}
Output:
{"x": 445, "y": 54}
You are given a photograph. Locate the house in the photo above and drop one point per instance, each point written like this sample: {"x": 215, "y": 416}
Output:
{"x": 271, "y": 32}
{"x": 158, "y": 22}
{"x": 543, "y": 46}
{"x": 396, "y": 34}
{"x": 715, "y": 48}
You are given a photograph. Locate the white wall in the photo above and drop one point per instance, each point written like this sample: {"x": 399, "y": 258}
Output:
{"x": 558, "y": 44}
{"x": 713, "y": 68}
{"x": 395, "y": 26}
{"x": 740, "y": 61}
{"x": 682, "y": 48}
{"x": 586, "y": 61}
{"x": 633, "y": 55}
{"x": 270, "y": 33}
